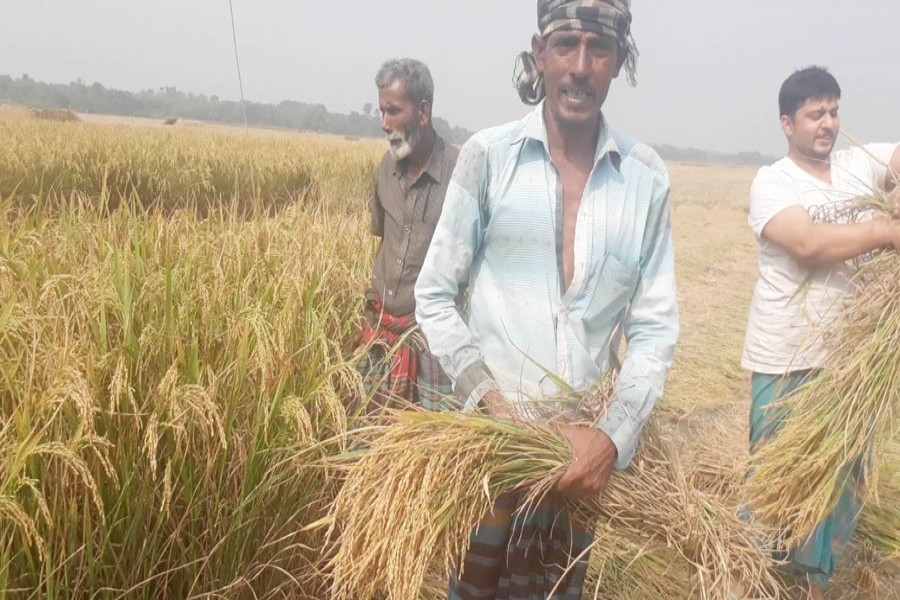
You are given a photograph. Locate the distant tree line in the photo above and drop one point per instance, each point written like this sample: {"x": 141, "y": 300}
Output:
{"x": 169, "y": 102}
{"x": 704, "y": 156}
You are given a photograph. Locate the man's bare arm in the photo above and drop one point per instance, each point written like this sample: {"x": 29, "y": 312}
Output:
{"x": 820, "y": 244}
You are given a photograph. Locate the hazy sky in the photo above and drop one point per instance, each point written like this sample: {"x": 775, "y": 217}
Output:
{"x": 708, "y": 75}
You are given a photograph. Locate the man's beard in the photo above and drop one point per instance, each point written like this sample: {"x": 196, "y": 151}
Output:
{"x": 815, "y": 153}
{"x": 409, "y": 139}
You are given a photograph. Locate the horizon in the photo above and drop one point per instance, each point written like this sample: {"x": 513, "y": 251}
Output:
{"x": 79, "y": 80}
{"x": 708, "y": 74}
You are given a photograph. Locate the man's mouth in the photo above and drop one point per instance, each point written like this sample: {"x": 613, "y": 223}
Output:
{"x": 577, "y": 95}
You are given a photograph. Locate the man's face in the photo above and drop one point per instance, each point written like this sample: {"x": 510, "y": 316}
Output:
{"x": 401, "y": 120}
{"x": 813, "y": 130}
{"x": 578, "y": 68}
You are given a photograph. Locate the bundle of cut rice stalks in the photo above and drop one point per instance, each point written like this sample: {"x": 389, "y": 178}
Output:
{"x": 655, "y": 501}
{"x": 837, "y": 422}
{"x": 880, "y": 521}
{"x": 413, "y": 495}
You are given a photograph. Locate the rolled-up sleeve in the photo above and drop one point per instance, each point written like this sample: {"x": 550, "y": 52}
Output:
{"x": 651, "y": 330}
{"x": 456, "y": 241}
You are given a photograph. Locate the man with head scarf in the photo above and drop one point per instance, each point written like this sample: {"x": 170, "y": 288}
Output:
{"x": 561, "y": 228}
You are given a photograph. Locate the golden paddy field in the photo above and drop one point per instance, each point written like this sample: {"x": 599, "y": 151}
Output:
{"x": 175, "y": 306}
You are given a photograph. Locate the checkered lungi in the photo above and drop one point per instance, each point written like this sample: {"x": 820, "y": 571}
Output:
{"x": 524, "y": 555}
{"x": 399, "y": 366}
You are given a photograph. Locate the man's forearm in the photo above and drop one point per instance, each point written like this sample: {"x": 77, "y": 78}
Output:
{"x": 829, "y": 244}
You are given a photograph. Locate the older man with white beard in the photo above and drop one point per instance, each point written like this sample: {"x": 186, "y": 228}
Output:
{"x": 407, "y": 200}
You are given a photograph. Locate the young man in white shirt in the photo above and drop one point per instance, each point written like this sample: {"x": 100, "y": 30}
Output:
{"x": 798, "y": 209}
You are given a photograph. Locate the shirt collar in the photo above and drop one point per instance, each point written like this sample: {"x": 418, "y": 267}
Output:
{"x": 435, "y": 166}
{"x": 535, "y": 129}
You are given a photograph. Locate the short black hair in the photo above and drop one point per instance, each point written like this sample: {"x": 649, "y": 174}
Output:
{"x": 811, "y": 83}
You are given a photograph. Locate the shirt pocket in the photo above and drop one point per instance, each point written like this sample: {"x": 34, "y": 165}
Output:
{"x": 614, "y": 287}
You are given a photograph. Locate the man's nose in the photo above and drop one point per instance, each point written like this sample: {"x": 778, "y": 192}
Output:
{"x": 581, "y": 62}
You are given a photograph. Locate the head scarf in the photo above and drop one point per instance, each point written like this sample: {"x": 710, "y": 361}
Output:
{"x": 603, "y": 17}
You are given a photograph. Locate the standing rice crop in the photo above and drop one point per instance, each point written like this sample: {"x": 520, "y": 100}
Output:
{"x": 165, "y": 376}
{"x": 177, "y": 169}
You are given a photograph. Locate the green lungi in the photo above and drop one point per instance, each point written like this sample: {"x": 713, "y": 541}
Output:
{"x": 818, "y": 557}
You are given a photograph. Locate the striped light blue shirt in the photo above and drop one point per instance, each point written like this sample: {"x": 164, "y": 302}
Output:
{"x": 500, "y": 233}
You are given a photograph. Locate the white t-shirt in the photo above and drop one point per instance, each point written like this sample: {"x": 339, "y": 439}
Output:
{"x": 791, "y": 302}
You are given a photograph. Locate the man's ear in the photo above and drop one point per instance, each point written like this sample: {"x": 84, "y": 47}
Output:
{"x": 424, "y": 113}
{"x": 538, "y": 47}
{"x": 787, "y": 126}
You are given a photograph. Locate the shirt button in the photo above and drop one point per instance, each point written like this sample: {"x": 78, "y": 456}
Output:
{"x": 390, "y": 292}
{"x": 399, "y": 262}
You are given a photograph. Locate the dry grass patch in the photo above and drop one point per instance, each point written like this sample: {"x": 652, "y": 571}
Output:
{"x": 716, "y": 255}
